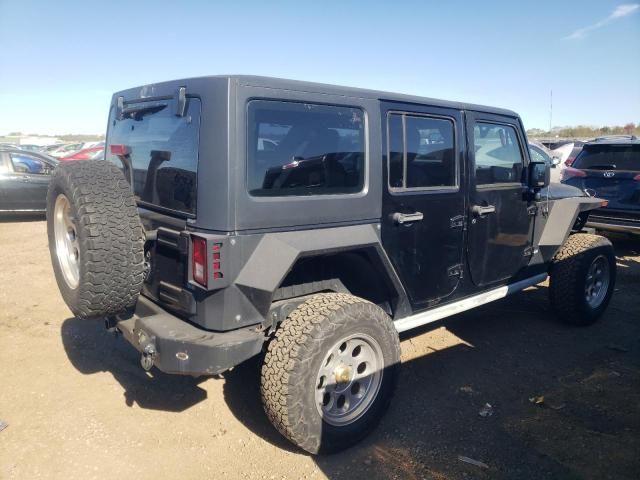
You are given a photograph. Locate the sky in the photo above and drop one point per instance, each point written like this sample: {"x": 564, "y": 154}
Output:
{"x": 60, "y": 61}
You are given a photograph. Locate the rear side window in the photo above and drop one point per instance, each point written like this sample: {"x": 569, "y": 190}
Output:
{"x": 158, "y": 151}
{"x": 498, "y": 157}
{"x": 421, "y": 152}
{"x": 609, "y": 157}
{"x": 304, "y": 149}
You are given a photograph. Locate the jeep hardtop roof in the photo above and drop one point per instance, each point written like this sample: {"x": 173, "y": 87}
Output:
{"x": 225, "y": 203}
{"x": 165, "y": 88}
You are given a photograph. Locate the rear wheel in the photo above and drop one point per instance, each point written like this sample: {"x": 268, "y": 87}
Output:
{"x": 329, "y": 373}
{"x": 583, "y": 276}
{"x": 96, "y": 239}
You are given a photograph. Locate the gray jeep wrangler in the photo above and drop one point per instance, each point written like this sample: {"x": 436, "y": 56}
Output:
{"x": 237, "y": 216}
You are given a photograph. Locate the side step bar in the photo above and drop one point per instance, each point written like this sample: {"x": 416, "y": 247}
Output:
{"x": 438, "y": 313}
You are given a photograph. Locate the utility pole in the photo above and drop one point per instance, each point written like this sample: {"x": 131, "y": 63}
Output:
{"x": 550, "y": 111}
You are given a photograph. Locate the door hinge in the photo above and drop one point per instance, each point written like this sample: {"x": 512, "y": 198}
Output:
{"x": 455, "y": 271}
{"x": 457, "y": 222}
{"x": 532, "y": 210}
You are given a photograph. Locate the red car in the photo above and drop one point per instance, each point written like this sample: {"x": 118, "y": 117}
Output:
{"x": 92, "y": 153}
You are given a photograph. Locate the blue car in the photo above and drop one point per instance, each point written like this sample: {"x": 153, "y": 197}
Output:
{"x": 610, "y": 169}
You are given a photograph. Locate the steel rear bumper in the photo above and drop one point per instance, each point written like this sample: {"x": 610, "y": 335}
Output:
{"x": 176, "y": 346}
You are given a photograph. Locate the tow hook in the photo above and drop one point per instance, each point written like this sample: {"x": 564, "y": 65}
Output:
{"x": 148, "y": 356}
{"x": 148, "y": 349}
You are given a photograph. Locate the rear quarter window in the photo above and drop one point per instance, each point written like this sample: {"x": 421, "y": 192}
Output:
{"x": 304, "y": 149}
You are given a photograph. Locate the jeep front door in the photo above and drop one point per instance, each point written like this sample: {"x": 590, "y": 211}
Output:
{"x": 423, "y": 204}
{"x": 500, "y": 217}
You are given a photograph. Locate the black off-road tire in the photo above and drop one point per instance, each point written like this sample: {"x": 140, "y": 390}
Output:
{"x": 293, "y": 360}
{"x": 568, "y": 276}
{"x": 109, "y": 234}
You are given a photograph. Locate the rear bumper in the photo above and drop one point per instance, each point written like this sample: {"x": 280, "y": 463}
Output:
{"x": 178, "y": 347}
{"x": 614, "y": 227}
{"x": 614, "y": 222}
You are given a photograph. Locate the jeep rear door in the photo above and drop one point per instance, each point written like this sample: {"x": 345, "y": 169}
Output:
{"x": 423, "y": 203}
{"x": 500, "y": 225}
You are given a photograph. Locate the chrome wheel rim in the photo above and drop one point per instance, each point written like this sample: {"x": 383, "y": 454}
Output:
{"x": 66, "y": 238}
{"x": 597, "y": 284}
{"x": 349, "y": 379}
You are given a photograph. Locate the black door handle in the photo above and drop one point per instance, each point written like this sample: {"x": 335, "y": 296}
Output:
{"x": 402, "y": 218}
{"x": 482, "y": 210}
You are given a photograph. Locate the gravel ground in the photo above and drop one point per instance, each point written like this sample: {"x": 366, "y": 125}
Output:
{"x": 78, "y": 405}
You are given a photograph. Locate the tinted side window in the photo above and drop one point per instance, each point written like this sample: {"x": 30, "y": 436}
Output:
{"x": 304, "y": 149}
{"x": 28, "y": 164}
{"x": 421, "y": 152}
{"x": 396, "y": 151}
{"x": 498, "y": 158}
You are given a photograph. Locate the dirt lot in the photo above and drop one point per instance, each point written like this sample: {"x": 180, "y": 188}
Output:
{"x": 78, "y": 404}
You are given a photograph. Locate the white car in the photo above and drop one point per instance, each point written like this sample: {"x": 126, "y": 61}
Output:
{"x": 540, "y": 153}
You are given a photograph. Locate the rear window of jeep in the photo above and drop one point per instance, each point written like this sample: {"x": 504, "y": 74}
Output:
{"x": 162, "y": 150}
{"x": 304, "y": 149}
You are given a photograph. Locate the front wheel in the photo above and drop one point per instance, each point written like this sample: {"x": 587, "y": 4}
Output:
{"x": 330, "y": 371}
{"x": 583, "y": 276}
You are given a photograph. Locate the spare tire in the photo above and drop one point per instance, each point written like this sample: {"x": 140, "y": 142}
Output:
{"x": 96, "y": 238}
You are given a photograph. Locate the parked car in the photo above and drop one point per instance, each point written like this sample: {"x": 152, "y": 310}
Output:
{"x": 92, "y": 153}
{"x": 540, "y": 153}
{"x": 24, "y": 179}
{"x": 568, "y": 152}
{"x": 50, "y": 148}
{"x": 65, "y": 150}
{"x": 610, "y": 169}
{"x": 28, "y": 147}
{"x": 368, "y": 214}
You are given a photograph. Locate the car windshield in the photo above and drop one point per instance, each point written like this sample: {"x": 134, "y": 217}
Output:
{"x": 609, "y": 157}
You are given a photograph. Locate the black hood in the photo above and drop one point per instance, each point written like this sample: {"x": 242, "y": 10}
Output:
{"x": 556, "y": 191}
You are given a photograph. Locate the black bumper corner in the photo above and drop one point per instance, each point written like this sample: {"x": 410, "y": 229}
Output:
{"x": 178, "y": 347}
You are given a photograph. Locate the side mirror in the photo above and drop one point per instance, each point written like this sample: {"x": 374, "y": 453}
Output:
{"x": 539, "y": 175}
{"x": 555, "y": 161}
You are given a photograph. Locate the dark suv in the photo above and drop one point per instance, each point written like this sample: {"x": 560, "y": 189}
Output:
{"x": 610, "y": 169}
{"x": 239, "y": 216}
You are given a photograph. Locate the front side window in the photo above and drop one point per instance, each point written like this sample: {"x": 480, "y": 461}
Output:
{"x": 421, "y": 152}
{"x": 28, "y": 164}
{"x": 304, "y": 149}
{"x": 498, "y": 158}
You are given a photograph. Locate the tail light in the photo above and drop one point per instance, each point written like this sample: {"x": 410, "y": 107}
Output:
{"x": 217, "y": 257}
{"x": 199, "y": 260}
{"x": 570, "y": 172}
{"x": 569, "y": 161}
{"x": 637, "y": 178}
{"x": 120, "y": 150}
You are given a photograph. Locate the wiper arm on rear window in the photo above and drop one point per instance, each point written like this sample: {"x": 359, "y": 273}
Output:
{"x": 138, "y": 113}
{"x": 604, "y": 166}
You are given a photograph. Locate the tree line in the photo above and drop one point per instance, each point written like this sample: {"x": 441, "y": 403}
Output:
{"x": 586, "y": 131}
